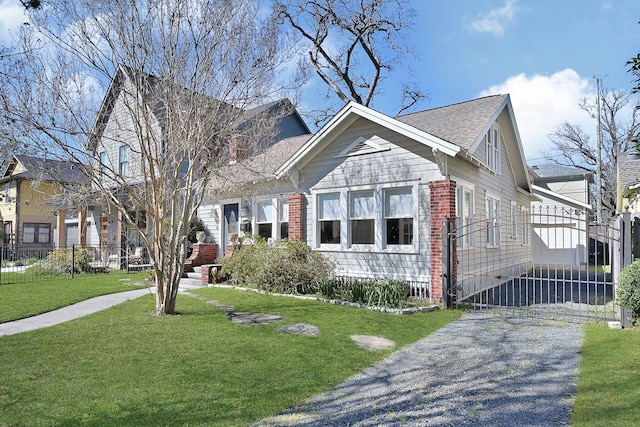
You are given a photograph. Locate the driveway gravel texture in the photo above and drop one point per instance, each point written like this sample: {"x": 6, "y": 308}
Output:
{"x": 480, "y": 370}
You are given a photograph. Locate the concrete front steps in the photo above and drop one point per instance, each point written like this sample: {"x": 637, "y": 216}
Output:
{"x": 193, "y": 280}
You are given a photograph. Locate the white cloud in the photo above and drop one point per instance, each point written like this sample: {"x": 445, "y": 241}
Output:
{"x": 541, "y": 103}
{"x": 12, "y": 15}
{"x": 495, "y": 21}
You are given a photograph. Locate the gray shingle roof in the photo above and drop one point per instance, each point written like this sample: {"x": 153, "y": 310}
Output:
{"x": 629, "y": 168}
{"x": 39, "y": 169}
{"x": 258, "y": 168}
{"x": 461, "y": 124}
{"x": 553, "y": 170}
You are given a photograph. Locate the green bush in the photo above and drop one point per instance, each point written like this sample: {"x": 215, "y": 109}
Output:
{"x": 60, "y": 262}
{"x": 282, "y": 266}
{"x": 629, "y": 289}
{"x": 373, "y": 292}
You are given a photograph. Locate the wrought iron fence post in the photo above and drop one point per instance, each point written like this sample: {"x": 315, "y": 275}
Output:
{"x": 446, "y": 264}
{"x": 73, "y": 261}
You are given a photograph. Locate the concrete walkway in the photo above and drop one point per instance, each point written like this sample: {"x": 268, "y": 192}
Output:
{"x": 80, "y": 309}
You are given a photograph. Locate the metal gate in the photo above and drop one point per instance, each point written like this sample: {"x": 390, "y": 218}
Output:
{"x": 547, "y": 262}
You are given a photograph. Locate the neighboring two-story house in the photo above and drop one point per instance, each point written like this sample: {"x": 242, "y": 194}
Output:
{"x": 31, "y": 189}
{"x": 133, "y": 108}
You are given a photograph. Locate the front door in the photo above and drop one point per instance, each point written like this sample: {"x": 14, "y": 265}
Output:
{"x": 231, "y": 225}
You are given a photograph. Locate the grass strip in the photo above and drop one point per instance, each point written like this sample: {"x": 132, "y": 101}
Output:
{"x": 125, "y": 367}
{"x": 608, "y": 391}
{"x": 20, "y": 300}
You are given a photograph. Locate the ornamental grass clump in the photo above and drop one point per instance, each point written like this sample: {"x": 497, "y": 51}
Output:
{"x": 388, "y": 293}
{"x": 282, "y": 266}
{"x": 629, "y": 289}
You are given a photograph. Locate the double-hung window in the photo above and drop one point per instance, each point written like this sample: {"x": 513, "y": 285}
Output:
{"x": 464, "y": 217}
{"x": 283, "y": 219}
{"x": 362, "y": 217}
{"x": 514, "y": 220}
{"x": 329, "y": 218}
{"x": 492, "y": 146}
{"x": 123, "y": 165}
{"x": 493, "y": 222}
{"x": 398, "y": 216}
{"x": 265, "y": 219}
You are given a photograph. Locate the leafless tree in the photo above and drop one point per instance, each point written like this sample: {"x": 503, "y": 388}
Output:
{"x": 180, "y": 79}
{"x": 572, "y": 146}
{"x": 352, "y": 45}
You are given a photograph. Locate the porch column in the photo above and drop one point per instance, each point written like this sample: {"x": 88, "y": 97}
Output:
{"x": 297, "y": 204}
{"x": 82, "y": 226}
{"x": 443, "y": 208}
{"x": 62, "y": 230}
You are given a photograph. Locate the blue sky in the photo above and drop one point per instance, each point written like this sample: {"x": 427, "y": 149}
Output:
{"x": 544, "y": 53}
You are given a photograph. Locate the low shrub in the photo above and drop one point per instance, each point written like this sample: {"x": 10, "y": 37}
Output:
{"x": 373, "y": 292}
{"x": 64, "y": 261}
{"x": 629, "y": 289}
{"x": 281, "y": 266}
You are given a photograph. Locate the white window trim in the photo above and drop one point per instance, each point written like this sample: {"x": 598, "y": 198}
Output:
{"x": 514, "y": 213}
{"x": 380, "y": 223}
{"x": 496, "y": 220}
{"x": 493, "y": 148}
{"x": 525, "y": 238}
{"x": 470, "y": 241}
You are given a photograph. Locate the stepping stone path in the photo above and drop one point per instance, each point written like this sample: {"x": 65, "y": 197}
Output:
{"x": 252, "y": 318}
{"x": 367, "y": 342}
{"x": 370, "y": 342}
{"x": 300, "y": 329}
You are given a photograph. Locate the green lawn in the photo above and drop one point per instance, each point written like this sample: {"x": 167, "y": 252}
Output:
{"x": 125, "y": 367}
{"x": 609, "y": 382}
{"x": 20, "y": 300}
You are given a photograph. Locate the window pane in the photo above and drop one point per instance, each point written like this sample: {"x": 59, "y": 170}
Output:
{"x": 330, "y": 231}
{"x": 400, "y": 231}
{"x": 284, "y": 230}
{"x": 329, "y": 206}
{"x": 265, "y": 212}
{"x": 265, "y": 230}
{"x": 361, "y": 204}
{"x": 284, "y": 211}
{"x": 29, "y": 234}
{"x": 43, "y": 233}
{"x": 398, "y": 203}
{"x": 362, "y": 231}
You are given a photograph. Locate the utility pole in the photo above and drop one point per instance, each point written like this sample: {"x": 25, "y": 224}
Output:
{"x": 598, "y": 159}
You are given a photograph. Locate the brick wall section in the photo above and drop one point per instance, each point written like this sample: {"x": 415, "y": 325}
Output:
{"x": 443, "y": 206}
{"x": 203, "y": 253}
{"x": 297, "y": 206}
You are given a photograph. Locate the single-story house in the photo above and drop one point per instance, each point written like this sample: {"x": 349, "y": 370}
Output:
{"x": 374, "y": 193}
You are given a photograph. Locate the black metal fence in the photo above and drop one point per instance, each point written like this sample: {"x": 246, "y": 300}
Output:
{"x": 29, "y": 263}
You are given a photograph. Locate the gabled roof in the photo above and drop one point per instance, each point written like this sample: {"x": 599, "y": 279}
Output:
{"x": 349, "y": 114}
{"x": 461, "y": 124}
{"x": 150, "y": 89}
{"x": 454, "y": 130}
{"x": 38, "y": 169}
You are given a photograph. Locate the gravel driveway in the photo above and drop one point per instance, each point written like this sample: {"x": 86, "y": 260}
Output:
{"x": 480, "y": 370}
